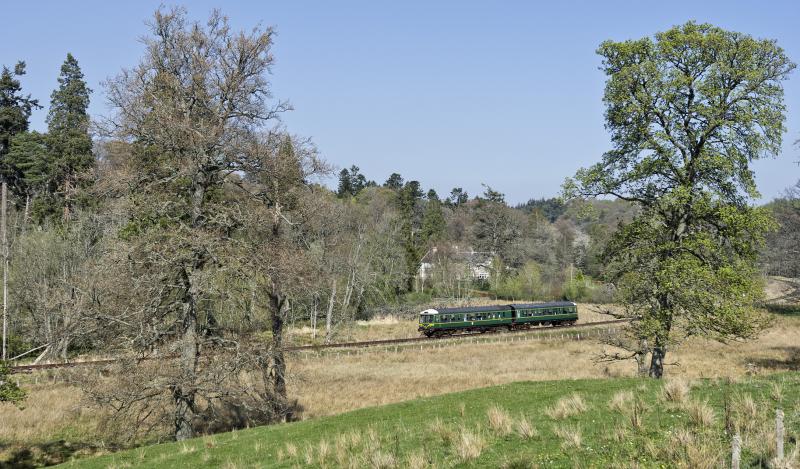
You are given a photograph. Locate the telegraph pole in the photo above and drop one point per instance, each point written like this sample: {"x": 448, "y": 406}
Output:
{"x": 4, "y": 235}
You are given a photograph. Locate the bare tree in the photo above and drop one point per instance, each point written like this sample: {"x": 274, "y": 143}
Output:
{"x": 186, "y": 116}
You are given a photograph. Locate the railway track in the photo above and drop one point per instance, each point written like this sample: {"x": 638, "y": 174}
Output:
{"x": 300, "y": 348}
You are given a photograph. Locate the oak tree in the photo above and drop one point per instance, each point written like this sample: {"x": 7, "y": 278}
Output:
{"x": 688, "y": 111}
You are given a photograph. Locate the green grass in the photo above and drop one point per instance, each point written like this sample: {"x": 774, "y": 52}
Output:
{"x": 429, "y": 430}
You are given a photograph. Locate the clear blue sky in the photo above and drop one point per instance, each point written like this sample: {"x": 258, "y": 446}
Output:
{"x": 449, "y": 93}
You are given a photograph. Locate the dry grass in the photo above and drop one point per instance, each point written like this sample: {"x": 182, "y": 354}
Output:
{"x": 567, "y": 407}
{"x": 442, "y": 430}
{"x": 620, "y": 400}
{"x": 499, "y": 420}
{"x": 571, "y": 437}
{"x": 701, "y": 415}
{"x": 468, "y": 445}
{"x": 48, "y": 409}
{"x": 688, "y": 450}
{"x": 383, "y": 376}
{"x": 675, "y": 391}
{"x": 776, "y": 392}
{"x": 416, "y": 460}
{"x": 524, "y": 429}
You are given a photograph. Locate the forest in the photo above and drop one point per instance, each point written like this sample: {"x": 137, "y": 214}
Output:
{"x": 190, "y": 222}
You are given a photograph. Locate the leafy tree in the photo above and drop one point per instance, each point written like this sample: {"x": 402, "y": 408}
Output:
{"x": 395, "y": 182}
{"x": 68, "y": 134}
{"x": 15, "y": 110}
{"x": 688, "y": 111}
{"x": 493, "y": 227}
{"x": 9, "y": 391}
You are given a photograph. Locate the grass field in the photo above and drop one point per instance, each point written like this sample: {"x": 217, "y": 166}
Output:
{"x": 572, "y": 423}
{"x": 57, "y": 424}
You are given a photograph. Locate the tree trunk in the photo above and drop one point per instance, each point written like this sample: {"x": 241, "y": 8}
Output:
{"x": 657, "y": 361}
{"x": 184, "y": 391}
{"x": 314, "y": 318}
{"x": 641, "y": 359}
{"x": 329, "y": 315}
{"x": 276, "y": 302}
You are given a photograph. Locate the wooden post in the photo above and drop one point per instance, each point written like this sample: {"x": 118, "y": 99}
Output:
{"x": 779, "y": 432}
{"x": 5, "y": 265}
{"x": 736, "y": 451}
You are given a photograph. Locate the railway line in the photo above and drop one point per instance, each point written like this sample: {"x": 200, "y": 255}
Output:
{"x": 339, "y": 345}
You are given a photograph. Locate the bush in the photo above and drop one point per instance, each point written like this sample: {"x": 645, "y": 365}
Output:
{"x": 9, "y": 391}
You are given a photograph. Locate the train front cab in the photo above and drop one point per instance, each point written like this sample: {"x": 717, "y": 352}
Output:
{"x": 427, "y": 320}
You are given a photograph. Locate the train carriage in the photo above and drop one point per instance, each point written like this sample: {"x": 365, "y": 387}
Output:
{"x": 448, "y": 321}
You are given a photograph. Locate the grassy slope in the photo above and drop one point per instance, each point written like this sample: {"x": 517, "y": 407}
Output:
{"x": 400, "y": 430}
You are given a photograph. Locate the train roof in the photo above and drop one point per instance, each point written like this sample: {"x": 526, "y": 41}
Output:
{"x": 474, "y": 309}
{"x": 552, "y": 304}
{"x": 482, "y": 309}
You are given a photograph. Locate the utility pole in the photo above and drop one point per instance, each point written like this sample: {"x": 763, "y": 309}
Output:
{"x": 5, "y": 265}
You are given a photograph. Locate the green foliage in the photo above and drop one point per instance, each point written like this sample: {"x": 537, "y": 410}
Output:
{"x": 688, "y": 112}
{"x": 433, "y": 222}
{"x": 9, "y": 391}
{"x": 457, "y": 197}
{"x": 494, "y": 230}
{"x": 15, "y": 110}
{"x": 394, "y": 182}
{"x": 409, "y": 205}
{"x": 31, "y": 158}
{"x": 523, "y": 284}
{"x": 351, "y": 182}
{"x": 68, "y": 136}
{"x": 550, "y": 209}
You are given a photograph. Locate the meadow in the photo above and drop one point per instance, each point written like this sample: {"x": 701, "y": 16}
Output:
{"x": 626, "y": 423}
{"x": 57, "y": 423}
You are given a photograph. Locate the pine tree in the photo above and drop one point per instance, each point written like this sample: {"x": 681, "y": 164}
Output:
{"x": 433, "y": 223}
{"x": 68, "y": 135}
{"x": 15, "y": 110}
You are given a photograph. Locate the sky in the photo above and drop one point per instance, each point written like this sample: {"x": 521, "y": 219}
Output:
{"x": 449, "y": 93}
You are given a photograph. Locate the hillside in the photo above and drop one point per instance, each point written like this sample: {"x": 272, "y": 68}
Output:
{"x": 588, "y": 423}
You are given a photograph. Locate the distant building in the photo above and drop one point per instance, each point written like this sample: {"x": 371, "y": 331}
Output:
{"x": 477, "y": 265}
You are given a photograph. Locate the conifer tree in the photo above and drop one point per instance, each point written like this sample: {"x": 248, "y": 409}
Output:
{"x": 68, "y": 136}
{"x": 15, "y": 110}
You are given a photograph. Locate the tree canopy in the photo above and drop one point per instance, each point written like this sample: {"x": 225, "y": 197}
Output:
{"x": 688, "y": 111}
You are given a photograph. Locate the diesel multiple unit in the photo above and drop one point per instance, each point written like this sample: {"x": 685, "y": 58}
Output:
{"x": 448, "y": 321}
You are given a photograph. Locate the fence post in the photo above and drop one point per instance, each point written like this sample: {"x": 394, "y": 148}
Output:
{"x": 779, "y": 433}
{"x": 736, "y": 455}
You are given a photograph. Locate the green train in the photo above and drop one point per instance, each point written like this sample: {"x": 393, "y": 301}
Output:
{"x": 449, "y": 321}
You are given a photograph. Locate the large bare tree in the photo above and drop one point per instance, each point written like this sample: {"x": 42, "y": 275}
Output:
{"x": 187, "y": 114}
